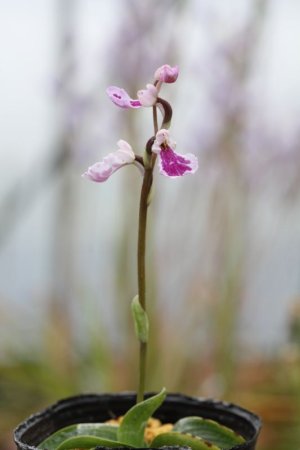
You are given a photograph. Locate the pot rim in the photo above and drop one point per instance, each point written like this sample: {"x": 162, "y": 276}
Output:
{"x": 210, "y": 403}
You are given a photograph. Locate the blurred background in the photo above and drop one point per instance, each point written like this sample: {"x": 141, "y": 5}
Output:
{"x": 223, "y": 245}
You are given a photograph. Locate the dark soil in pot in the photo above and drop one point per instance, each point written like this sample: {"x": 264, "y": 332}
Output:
{"x": 99, "y": 408}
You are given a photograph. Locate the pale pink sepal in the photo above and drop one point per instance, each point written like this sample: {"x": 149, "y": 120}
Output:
{"x": 172, "y": 164}
{"x": 102, "y": 170}
{"x": 148, "y": 96}
{"x": 121, "y": 98}
{"x": 167, "y": 74}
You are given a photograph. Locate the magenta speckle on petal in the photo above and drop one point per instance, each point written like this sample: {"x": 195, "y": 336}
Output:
{"x": 135, "y": 103}
{"x": 174, "y": 165}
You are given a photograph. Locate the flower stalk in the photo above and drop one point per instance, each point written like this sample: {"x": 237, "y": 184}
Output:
{"x": 141, "y": 257}
{"x": 141, "y": 262}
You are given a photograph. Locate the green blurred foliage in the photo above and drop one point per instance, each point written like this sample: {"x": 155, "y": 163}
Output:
{"x": 270, "y": 388}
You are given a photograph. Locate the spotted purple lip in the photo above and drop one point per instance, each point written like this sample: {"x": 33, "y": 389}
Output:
{"x": 172, "y": 164}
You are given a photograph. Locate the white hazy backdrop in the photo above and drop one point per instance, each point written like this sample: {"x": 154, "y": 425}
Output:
{"x": 235, "y": 225}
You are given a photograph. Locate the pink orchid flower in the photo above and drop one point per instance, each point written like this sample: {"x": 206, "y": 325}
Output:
{"x": 171, "y": 164}
{"x": 166, "y": 74}
{"x": 146, "y": 97}
{"x": 120, "y": 98}
{"x": 102, "y": 170}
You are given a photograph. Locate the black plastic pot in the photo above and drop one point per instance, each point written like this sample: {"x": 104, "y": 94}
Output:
{"x": 98, "y": 408}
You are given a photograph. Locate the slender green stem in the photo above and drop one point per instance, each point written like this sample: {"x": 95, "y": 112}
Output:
{"x": 155, "y": 125}
{"x": 142, "y": 372}
{"x": 146, "y": 187}
{"x": 155, "y": 121}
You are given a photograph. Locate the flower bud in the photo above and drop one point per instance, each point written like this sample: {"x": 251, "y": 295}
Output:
{"x": 167, "y": 74}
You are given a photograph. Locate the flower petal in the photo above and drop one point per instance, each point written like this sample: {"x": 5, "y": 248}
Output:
{"x": 126, "y": 149}
{"x": 162, "y": 136}
{"x": 166, "y": 73}
{"x": 173, "y": 165}
{"x": 102, "y": 170}
{"x": 121, "y": 98}
{"x": 98, "y": 172}
{"x": 148, "y": 96}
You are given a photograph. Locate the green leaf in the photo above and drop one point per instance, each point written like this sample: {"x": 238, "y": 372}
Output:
{"x": 209, "y": 430}
{"x": 93, "y": 429}
{"x": 131, "y": 431}
{"x": 140, "y": 319}
{"x": 182, "y": 440}
{"x": 88, "y": 442}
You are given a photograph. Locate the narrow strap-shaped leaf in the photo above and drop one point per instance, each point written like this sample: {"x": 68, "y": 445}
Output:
{"x": 94, "y": 429}
{"x": 182, "y": 440}
{"x": 88, "y": 442}
{"x": 140, "y": 319}
{"x": 131, "y": 431}
{"x": 209, "y": 430}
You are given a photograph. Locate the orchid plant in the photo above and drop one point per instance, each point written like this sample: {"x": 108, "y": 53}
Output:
{"x": 130, "y": 431}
